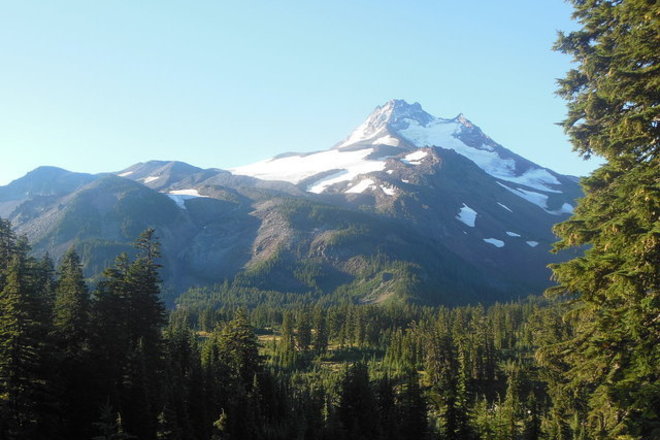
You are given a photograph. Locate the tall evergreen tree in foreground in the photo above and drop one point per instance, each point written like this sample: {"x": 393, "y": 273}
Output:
{"x": 613, "y": 98}
{"x": 23, "y": 379}
{"x": 71, "y": 309}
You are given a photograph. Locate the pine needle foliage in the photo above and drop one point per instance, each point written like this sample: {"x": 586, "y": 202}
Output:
{"x": 613, "y": 96}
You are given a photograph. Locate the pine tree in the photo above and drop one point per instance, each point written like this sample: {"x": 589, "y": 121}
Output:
{"x": 7, "y": 247}
{"x": 128, "y": 316}
{"x": 413, "y": 424}
{"x": 441, "y": 365}
{"x": 357, "y": 405}
{"x": 110, "y": 426}
{"x": 613, "y": 99}
{"x": 239, "y": 349}
{"x": 71, "y": 308}
{"x": 70, "y": 335}
{"x": 167, "y": 427}
{"x": 145, "y": 319}
{"x": 146, "y": 310}
{"x": 320, "y": 339}
{"x": 512, "y": 407}
{"x": 304, "y": 330}
{"x": 23, "y": 382}
{"x": 18, "y": 355}
{"x": 532, "y": 423}
{"x": 286, "y": 354}
{"x": 387, "y": 409}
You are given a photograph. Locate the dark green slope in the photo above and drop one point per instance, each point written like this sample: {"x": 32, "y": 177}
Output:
{"x": 276, "y": 239}
{"x": 363, "y": 256}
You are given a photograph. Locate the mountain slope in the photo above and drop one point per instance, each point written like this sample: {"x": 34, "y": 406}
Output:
{"x": 449, "y": 181}
{"x": 407, "y": 207}
{"x": 398, "y": 129}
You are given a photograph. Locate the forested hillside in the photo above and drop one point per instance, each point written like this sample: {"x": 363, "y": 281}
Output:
{"x": 104, "y": 359}
{"x": 110, "y": 364}
{"x": 77, "y": 364}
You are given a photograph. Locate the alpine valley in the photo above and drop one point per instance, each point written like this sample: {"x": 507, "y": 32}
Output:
{"x": 409, "y": 207}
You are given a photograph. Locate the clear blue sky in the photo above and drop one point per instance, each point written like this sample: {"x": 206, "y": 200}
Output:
{"x": 97, "y": 86}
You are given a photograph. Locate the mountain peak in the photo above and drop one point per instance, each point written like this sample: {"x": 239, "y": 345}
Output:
{"x": 463, "y": 120}
{"x": 384, "y": 120}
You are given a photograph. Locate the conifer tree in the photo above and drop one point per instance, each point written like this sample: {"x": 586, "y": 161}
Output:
{"x": 146, "y": 310}
{"x": 387, "y": 409}
{"x": 239, "y": 349}
{"x": 23, "y": 379}
{"x": 7, "y": 247}
{"x": 413, "y": 424}
{"x": 71, "y": 308}
{"x": 70, "y": 335}
{"x": 320, "y": 338}
{"x": 304, "y": 331}
{"x": 18, "y": 354}
{"x": 613, "y": 97}
{"x": 110, "y": 426}
{"x": 357, "y": 405}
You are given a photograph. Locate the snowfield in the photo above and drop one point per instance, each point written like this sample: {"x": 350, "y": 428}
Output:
{"x": 467, "y": 215}
{"x": 406, "y": 126}
{"x": 495, "y": 242}
{"x": 296, "y": 168}
{"x": 181, "y": 195}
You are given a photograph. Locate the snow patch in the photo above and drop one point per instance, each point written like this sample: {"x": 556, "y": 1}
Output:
{"x": 390, "y": 191}
{"x": 150, "y": 179}
{"x": 318, "y": 186}
{"x": 386, "y": 140}
{"x": 415, "y": 158}
{"x": 405, "y": 180}
{"x": 296, "y": 168}
{"x": 179, "y": 199}
{"x": 538, "y": 178}
{"x": 495, "y": 242}
{"x": 504, "y": 206}
{"x": 532, "y": 243}
{"x": 181, "y": 195}
{"x": 512, "y": 234}
{"x": 389, "y": 171}
{"x": 361, "y": 186}
{"x": 442, "y": 133}
{"x": 467, "y": 215}
{"x": 125, "y": 173}
{"x": 186, "y": 192}
{"x": 538, "y": 199}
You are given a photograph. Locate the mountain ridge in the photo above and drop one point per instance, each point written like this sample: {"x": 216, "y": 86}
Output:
{"x": 407, "y": 207}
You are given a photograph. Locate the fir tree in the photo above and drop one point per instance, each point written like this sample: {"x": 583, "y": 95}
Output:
{"x": 7, "y": 247}
{"x": 304, "y": 331}
{"x": 22, "y": 335}
{"x": 357, "y": 405}
{"x": 413, "y": 424}
{"x": 110, "y": 426}
{"x": 238, "y": 348}
{"x": 71, "y": 308}
{"x": 320, "y": 338}
{"x": 70, "y": 333}
{"x": 614, "y": 112}
{"x": 146, "y": 310}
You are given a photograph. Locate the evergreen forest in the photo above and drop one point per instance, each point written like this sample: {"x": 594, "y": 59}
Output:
{"x": 108, "y": 361}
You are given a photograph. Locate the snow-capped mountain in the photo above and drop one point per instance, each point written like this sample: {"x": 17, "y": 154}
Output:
{"x": 408, "y": 206}
{"x": 404, "y": 131}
